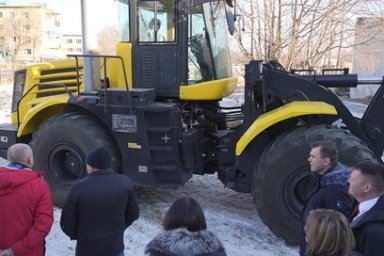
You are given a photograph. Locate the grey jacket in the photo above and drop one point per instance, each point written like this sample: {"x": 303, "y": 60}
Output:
{"x": 182, "y": 242}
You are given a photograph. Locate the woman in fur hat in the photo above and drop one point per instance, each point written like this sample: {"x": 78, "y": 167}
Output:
{"x": 185, "y": 233}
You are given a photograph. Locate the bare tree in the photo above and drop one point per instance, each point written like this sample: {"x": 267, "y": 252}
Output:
{"x": 107, "y": 39}
{"x": 299, "y": 33}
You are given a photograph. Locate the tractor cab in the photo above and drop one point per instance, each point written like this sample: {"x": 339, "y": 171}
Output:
{"x": 175, "y": 44}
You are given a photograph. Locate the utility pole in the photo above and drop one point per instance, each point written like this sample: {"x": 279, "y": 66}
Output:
{"x": 89, "y": 41}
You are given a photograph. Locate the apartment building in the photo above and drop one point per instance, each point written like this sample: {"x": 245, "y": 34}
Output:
{"x": 71, "y": 44}
{"x": 29, "y": 33}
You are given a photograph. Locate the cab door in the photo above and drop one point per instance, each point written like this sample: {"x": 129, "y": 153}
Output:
{"x": 159, "y": 46}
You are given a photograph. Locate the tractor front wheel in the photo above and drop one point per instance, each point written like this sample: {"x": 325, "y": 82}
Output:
{"x": 282, "y": 176}
{"x": 60, "y": 146}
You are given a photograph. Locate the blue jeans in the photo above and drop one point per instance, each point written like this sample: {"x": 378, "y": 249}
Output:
{"x": 120, "y": 254}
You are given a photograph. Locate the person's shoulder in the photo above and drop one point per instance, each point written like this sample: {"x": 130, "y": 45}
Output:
{"x": 373, "y": 229}
{"x": 33, "y": 176}
{"x": 122, "y": 177}
{"x": 39, "y": 180}
{"x": 119, "y": 179}
{"x": 209, "y": 236}
{"x": 334, "y": 194}
{"x": 341, "y": 166}
{"x": 332, "y": 190}
{"x": 3, "y": 168}
{"x": 375, "y": 214}
{"x": 201, "y": 237}
{"x": 181, "y": 240}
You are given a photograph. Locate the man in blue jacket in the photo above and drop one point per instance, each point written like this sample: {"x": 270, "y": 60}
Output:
{"x": 367, "y": 186}
{"x": 330, "y": 189}
{"x": 99, "y": 208}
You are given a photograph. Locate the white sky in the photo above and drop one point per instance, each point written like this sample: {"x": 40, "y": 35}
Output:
{"x": 101, "y": 12}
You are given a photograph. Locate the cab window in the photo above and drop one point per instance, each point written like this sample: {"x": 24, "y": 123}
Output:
{"x": 156, "y": 21}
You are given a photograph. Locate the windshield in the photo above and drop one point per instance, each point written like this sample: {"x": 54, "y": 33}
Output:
{"x": 208, "y": 30}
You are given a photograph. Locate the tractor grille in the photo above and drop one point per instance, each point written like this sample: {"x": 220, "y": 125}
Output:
{"x": 52, "y": 82}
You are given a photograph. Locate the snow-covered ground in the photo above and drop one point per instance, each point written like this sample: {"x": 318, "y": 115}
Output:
{"x": 231, "y": 215}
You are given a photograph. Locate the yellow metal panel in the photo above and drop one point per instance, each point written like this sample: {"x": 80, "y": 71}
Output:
{"x": 29, "y": 121}
{"x": 58, "y": 75}
{"x": 293, "y": 109}
{"x": 134, "y": 145}
{"x": 115, "y": 68}
{"x": 59, "y": 64}
{"x": 211, "y": 90}
{"x": 34, "y": 76}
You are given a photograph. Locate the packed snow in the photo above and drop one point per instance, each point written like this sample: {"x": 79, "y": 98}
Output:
{"x": 231, "y": 215}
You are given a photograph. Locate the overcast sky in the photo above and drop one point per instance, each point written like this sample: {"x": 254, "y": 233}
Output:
{"x": 102, "y": 13}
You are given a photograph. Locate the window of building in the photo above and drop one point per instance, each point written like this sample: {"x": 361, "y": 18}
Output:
{"x": 27, "y": 52}
{"x": 13, "y": 39}
{"x": 26, "y": 27}
{"x": 70, "y": 49}
{"x": 79, "y": 49}
{"x": 12, "y": 27}
{"x": 26, "y": 39}
{"x": 78, "y": 41}
{"x": 69, "y": 41}
{"x": 2, "y": 40}
{"x": 12, "y": 15}
{"x": 25, "y": 15}
{"x": 1, "y": 14}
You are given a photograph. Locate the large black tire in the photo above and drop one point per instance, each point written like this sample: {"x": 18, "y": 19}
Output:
{"x": 60, "y": 146}
{"x": 282, "y": 177}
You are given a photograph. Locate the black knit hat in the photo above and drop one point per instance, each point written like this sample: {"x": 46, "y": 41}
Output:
{"x": 99, "y": 158}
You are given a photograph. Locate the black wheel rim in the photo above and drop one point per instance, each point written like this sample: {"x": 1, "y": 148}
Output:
{"x": 66, "y": 164}
{"x": 296, "y": 190}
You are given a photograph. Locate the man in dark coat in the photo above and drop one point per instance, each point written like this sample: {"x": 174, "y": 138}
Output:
{"x": 330, "y": 190}
{"x": 99, "y": 208}
{"x": 367, "y": 186}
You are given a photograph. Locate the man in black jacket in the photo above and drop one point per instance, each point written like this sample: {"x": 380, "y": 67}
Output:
{"x": 367, "y": 186}
{"x": 99, "y": 208}
{"x": 330, "y": 189}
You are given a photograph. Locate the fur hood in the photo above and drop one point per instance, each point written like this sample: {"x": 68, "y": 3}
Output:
{"x": 182, "y": 242}
{"x": 337, "y": 175}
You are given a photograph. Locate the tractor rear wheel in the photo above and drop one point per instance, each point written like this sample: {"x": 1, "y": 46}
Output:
{"x": 282, "y": 176}
{"x": 60, "y": 146}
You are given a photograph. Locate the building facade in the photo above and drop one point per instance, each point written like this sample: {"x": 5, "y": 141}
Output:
{"x": 71, "y": 44}
{"x": 28, "y": 34}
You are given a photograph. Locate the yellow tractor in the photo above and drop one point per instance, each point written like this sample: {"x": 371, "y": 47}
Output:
{"x": 157, "y": 105}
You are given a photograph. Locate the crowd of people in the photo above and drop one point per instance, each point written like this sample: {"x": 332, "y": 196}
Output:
{"x": 342, "y": 216}
{"x": 344, "y": 213}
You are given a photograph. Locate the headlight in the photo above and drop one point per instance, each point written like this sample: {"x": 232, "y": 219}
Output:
{"x": 18, "y": 87}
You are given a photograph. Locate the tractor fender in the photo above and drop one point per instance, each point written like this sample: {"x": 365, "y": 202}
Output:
{"x": 293, "y": 109}
{"x": 41, "y": 111}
